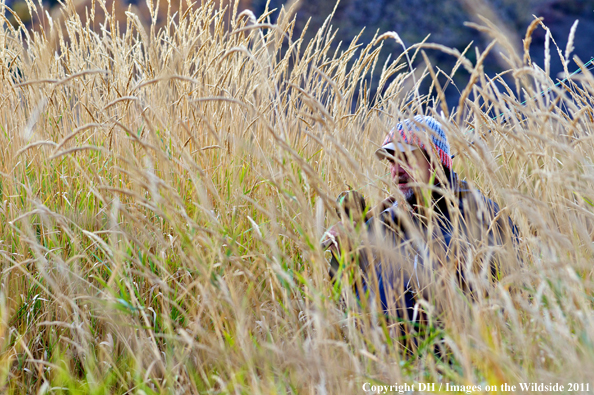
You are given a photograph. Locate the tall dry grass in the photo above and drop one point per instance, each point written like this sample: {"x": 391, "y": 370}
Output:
{"x": 164, "y": 192}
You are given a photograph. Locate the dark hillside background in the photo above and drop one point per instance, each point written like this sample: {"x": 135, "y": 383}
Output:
{"x": 413, "y": 20}
{"x": 444, "y": 21}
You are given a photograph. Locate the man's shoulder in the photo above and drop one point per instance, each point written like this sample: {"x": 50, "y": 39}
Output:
{"x": 473, "y": 199}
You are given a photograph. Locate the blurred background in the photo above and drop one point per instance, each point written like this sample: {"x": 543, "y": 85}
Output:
{"x": 413, "y": 20}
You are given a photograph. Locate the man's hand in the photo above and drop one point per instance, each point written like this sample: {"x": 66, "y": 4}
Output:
{"x": 386, "y": 203}
{"x": 383, "y": 205}
{"x": 332, "y": 236}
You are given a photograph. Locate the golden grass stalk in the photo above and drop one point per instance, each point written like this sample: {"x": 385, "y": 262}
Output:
{"x": 164, "y": 192}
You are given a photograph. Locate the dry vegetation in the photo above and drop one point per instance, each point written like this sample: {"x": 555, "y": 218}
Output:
{"x": 163, "y": 194}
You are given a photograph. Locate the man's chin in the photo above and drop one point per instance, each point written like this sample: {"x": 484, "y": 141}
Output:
{"x": 406, "y": 191}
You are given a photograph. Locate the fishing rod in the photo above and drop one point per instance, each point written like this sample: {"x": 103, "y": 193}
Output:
{"x": 589, "y": 65}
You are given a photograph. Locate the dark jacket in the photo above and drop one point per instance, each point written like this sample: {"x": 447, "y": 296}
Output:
{"x": 405, "y": 254}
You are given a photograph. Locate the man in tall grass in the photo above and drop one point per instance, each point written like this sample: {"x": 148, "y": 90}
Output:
{"x": 439, "y": 228}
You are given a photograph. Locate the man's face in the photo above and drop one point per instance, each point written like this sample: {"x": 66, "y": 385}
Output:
{"x": 408, "y": 168}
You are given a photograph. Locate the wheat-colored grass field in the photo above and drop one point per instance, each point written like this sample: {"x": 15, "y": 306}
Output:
{"x": 163, "y": 194}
